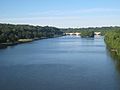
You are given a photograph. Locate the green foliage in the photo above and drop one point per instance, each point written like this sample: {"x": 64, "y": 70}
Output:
{"x": 112, "y": 40}
{"x": 87, "y": 34}
{"x": 12, "y": 33}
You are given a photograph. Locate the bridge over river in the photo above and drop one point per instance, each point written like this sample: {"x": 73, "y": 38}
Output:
{"x": 78, "y": 33}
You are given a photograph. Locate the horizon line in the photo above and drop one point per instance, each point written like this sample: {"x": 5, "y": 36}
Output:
{"x": 99, "y": 26}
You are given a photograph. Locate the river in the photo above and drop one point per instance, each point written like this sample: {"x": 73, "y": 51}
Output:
{"x": 63, "y": 63}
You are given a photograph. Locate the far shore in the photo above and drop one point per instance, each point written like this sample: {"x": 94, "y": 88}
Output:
{"x": 20, "y": 41}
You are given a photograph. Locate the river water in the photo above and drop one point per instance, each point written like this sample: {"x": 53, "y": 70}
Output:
{"x": 64, "y": 63}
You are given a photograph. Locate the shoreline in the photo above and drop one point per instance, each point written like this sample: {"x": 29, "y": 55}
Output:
{"x": 22, "y": 41}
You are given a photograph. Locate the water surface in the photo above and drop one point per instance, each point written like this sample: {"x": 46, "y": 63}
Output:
{"x": 64, "y": 63}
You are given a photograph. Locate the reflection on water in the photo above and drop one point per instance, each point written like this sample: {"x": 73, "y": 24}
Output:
{"x": 64, "y": 63}
{"x": 116, "y": 60}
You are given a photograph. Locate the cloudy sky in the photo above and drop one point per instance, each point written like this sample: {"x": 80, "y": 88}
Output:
{"x": 61, "y": 13}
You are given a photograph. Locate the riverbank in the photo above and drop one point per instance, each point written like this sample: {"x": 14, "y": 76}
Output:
{"x": 112, "y": 40}
{"x": 21, "y": 41}
{"x": 3, "y": 46}
{"x": 11, "y": 34}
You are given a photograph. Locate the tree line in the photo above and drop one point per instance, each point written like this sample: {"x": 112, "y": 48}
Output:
{"x": 112, "y": 39}
{"x": 12, "y": 33}
{"x": 103, "y": 30}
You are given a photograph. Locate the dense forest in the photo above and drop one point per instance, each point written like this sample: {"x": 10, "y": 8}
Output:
{"x": 88, "y": 34}
{"x": 112, "y": 39}
{"x": 13, "y": 33}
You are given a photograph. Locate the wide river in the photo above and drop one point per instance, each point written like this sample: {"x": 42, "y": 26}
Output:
{"x": 64, "y": 63}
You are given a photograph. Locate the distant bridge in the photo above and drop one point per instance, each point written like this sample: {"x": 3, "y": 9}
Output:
{"x": 78, "y": 34}
{"x": 97, "y": 33}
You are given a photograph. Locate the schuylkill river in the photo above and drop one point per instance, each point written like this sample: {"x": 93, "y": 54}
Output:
{"x": 64, "y": 63}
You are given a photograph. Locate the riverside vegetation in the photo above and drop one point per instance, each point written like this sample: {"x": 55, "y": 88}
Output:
{"x": 13, "y": 34}
{"x": 112, "y": 40}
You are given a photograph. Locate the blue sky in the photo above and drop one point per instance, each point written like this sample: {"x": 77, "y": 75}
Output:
{"x": 61, "y": 13}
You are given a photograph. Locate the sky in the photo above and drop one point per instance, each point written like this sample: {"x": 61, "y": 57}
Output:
{"x": 61, "y": 13}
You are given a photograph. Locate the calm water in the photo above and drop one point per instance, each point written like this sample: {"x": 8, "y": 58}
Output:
{"x": 65, "y": 63}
